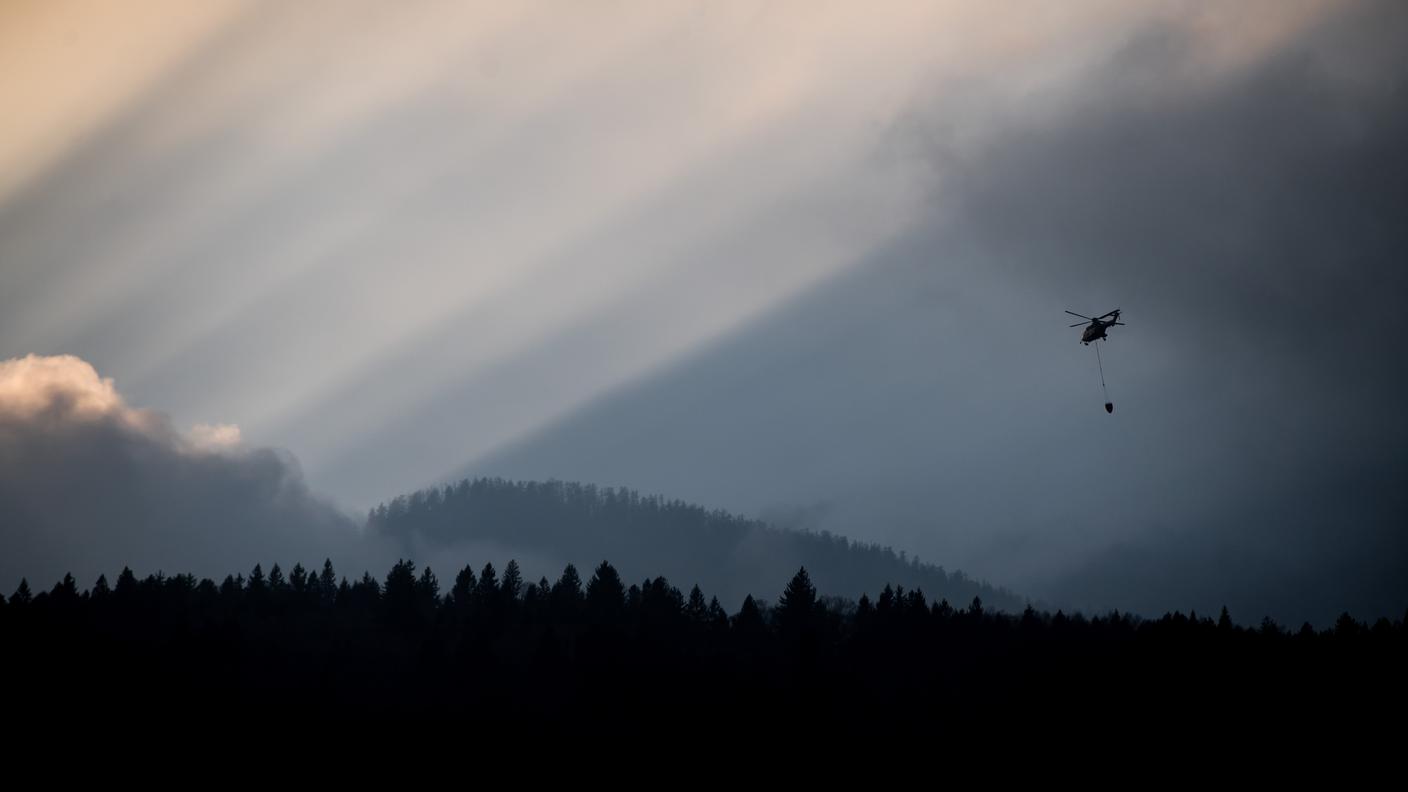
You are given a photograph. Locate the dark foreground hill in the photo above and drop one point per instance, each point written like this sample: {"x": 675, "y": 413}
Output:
{"x": 575, "y": 656}
{"x": 731, "y": 556}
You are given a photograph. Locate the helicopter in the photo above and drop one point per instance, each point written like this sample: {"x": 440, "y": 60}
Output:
{"x": 1097, "y": 325}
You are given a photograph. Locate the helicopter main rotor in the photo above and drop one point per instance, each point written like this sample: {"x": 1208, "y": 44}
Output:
{"x": 1098, "y": 320}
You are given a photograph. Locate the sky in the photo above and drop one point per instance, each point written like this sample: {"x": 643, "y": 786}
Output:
{"x": 802, "y": 261}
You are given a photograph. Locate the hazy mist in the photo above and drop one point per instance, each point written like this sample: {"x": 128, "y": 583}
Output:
{"x": 803, "y": 262}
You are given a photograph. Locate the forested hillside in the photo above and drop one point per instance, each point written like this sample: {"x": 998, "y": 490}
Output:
{"x": 726, "y": 554}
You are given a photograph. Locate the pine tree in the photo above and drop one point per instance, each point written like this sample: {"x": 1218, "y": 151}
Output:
{"x": 512, "y": 585}
{"x": 428, "y": 589}
{"x": 462, "y": 592}
{"x": 257, "y": 585}
{"x": 975, "y": 608}
{"x": 298, "y": 579}
{"x": 399, "y": 592}
{"x": 865, "y": 613}
{"x": 717, "y": 616}
{"x": 534, "y": 597}
{"x": 65, "y": 593}
{"x": 486, "y": 594}
{"x": 567, "y": 597}
{"x": 327, "y": 582}
{"x": 696, "y": 609}
{"x": 797, "y": 607}
{"x": 126, "y": 584}
{"x": 886, "y": 602}
{"x": 369, "y": 586}
{"x": 605, "y": 595}
{"x": 748, "y": 622}
{"x": 231, "y": 587}
{"x": 276, "y": 579}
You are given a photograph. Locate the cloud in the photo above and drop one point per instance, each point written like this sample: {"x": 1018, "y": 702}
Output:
{"x": 1248, "y": 220}
{"x": 62, "y": 384}
{"x": 215, "y": 436}
{"x": 89, "y": 484}
{"x": 515, "y": 206}
{"x": 395, "y": 259}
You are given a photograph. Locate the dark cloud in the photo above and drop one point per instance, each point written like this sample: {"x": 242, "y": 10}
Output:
{"x": 1250, "y": 223}
{"x": 1254, "y": 224}
{"x": 89, "y": 485}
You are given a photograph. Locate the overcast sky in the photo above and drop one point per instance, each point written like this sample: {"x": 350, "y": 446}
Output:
{"x": 803, "y": 261}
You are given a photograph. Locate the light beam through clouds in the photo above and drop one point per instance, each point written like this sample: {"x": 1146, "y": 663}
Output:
{"x": 397, "y": 239}
{"x": 323, "y": 194}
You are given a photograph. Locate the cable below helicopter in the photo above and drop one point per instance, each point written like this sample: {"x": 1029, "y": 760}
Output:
{"x": 1096, "y": 328}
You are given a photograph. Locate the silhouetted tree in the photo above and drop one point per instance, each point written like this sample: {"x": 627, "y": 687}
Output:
{"x": 865, "y": 614}
{"x": 398, "y": 593}
{"x": 65, "y": 592}
{"x": 605, "y": 595}
{"x": 276, "y": 580}
{"x": 486, "y": 592}
{"x": 231, "y": 588}
{"x": 696, "y": 610}
{"x": 126, "y": 584}
{"x": 796, "y": 608}
{"x": 513, "y": 582}
{"x": 975, "y": 608}
{"x": 535, "y": 598}
{"x": 717, "y": 617}
{"x": 885, "y": 603}
{"x": 428, "y": 591}
{"x": 942, "y": 611}
{"x": 661, "y": 605}
{"x": 326, "y": 583}
{"x": 298, "y": 579}
{"x": 366, "y": 592}
{"x": 462, "y": 592}
{"x": 257, "y": 584}
{"x": 748, "y": 622}
{"x": 567, "y": 596}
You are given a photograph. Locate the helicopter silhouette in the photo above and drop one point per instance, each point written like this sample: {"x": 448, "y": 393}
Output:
{"x": 1095, "y": 326}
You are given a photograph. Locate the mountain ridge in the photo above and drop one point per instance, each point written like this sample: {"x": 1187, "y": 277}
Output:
{"x": 572, "y": 522}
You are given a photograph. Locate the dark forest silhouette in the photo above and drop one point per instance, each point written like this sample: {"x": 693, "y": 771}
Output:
{"x": 487, "y": 644}
{"x": 729, "y": 555}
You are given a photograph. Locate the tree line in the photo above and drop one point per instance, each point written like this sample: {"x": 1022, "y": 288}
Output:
{"x": 545, "y": 651}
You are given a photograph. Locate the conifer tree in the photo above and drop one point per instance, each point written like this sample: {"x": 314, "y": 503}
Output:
{"x": 512, "y": 585}
{"x": 796, "y": 608}
{"x": 327, "y": 582}
{"x": 22, "y": 595}
{"x": 605, "y": 594}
